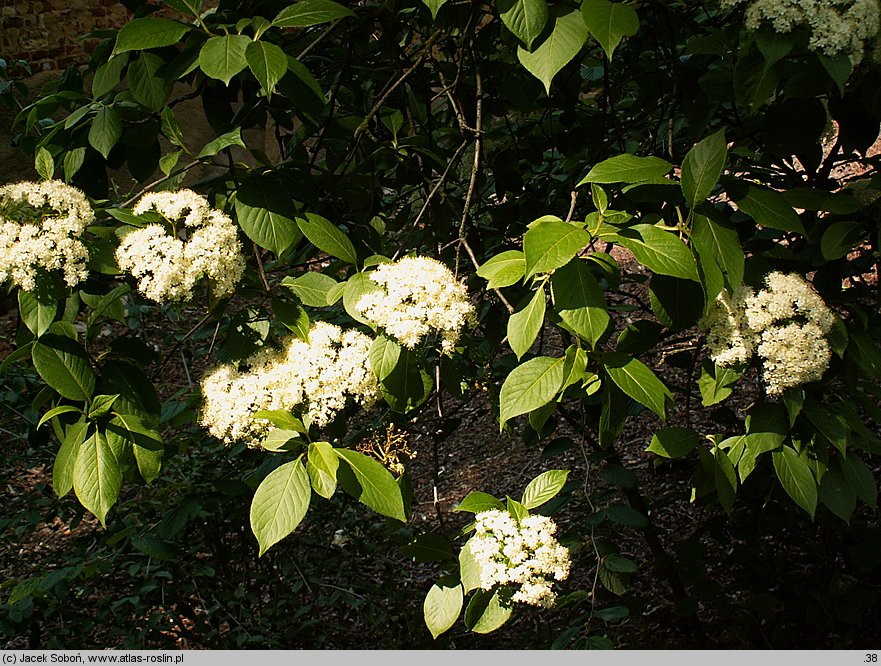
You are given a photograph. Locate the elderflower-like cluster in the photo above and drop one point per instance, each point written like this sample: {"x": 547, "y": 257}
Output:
{"x": 785, "y": 324}
{"x": 836, "y": 26}
{"x": 527, "y": 555}
{"x": 418, "y": 295}
{"x": 40, "y": 229}
{"x": 166, "y": 267}
{"x": 314, "y": 377}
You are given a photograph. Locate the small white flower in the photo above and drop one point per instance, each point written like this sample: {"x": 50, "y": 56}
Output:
{"x": 314, "y": 377}
{"x": 527, "y": 555}
{"x": 835, "y": 26}
{"x": 40, "y": 229}
{"x": 166, "y": 267}
{"x": 418, "y": 296}
{"x": 785, "y": 324}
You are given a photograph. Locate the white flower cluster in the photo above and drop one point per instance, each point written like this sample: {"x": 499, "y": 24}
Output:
{"x": 315, "y": 377}
{"x": 418, "y": 295}
{"x": 527, "y": 555}
{"x": 40, "y": 229}
{"x": 166, "y": 267}
{"x": 836, "y": 26}
{"x": 785, "y": 324}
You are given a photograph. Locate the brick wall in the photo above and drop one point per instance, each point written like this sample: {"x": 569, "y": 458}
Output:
{"x": 45, "y": 32}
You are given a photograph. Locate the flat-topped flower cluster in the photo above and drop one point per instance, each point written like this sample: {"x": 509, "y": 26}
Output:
{"x": 40, "y": 229}
{"x": 417, "y": 295}
{"x": 836, "y": 26}
{"x": 314, "y": 377}
{"x": 168, "y": 268}
{"x": 785, "y": 324}
{"x": 527, "y": 555}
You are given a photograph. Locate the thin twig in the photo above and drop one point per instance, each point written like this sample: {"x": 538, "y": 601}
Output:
{"x": 430, "y": 196}
{"x": 260, "y": 270}
{"x": 178, "y": 344}
{"x": 475, "y": 168}
{"x": 574, "y": 199}
{"x": 128, "y": 202}
{"x": 318, "y": 39}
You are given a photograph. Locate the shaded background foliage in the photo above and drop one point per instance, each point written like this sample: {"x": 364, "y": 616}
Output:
{"x": 415, "y": 127}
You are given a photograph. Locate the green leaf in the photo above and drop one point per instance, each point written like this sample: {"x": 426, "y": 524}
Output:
{"x": 429, "y": 547}
{"x": 486, "y": 612}
{"x": 530, "y": 386}
{"x": 65, "y": 459}
{"x": 525, "y": 18}
{"x": 434, "y": 6}
{"x": 280, "y": 503}
{"x": 168, "y": 161}
{"x": 145, "y": 83}
{"x": 194, "y": 7}
{"x": 311, "y": 287}
{"x": 477, "y": 502}
{"x": 107, "y": 304}
{"x": 861, "y": 479}
{"x": 840, "y": 238}
{"x": 282, "y": 440}
{"x": 720, "y": 244}
{"x": 268, "y": 63}
{"x": 504, "y": 269}
{"x": 57, "y": 411}
{"x": 232, "y": 138}
{"x": 637, "y": 381}
{"x": 442, "y": 606}
{"x": 544, "y": 487}
{"x": 660, "y": 251}
{"x": 796, "y": 478}
{"x": 678, "y": 304}
{"x": 293, "y": 316}
{"x": 73, "y": 160}
{"x": 96, "y": 476}
{"x": 146, "y": 442}
{"x": 384, "y": 355}
{"x": 408, "y": 384}
{"x": 469, "y": 569}
{"x": 525, "y": 324}
{"x": 378, "y": 489}
{"x": 621, "y": 514}
{"x": 36, "y": 311}
{"x": 44, "y": 164}
{"x": 322, "y": 465}
{"x": 579, "y": 301}
{"x": 247, "y": 332}
{"x": 64, "y": 365}
{"x": 106, "y": 78}
{"x": 281, "y": 419}
{"x": 770, "y": 209}
{"x": 550, "y": 244}
{"x": 626, "y": 169}
{"x": 171, "y": 127}
{"x": 716, "y": 383}
{"x": 609, "y": 22}
{"x": 565, "y": 41}
{"x": 106, "y": 130}
{"x": 305, "y": 13}
{"x": 516, "y": 509}
{"x": 356, "y": 286}
{"x": 619, "y": 564}
{"x": 224, "y": 57}
{"x": 837, "y": 495}
{"x": 725, "y": 480}
{"x": 674, "y": 442}
{"x": 702, "y": 167}
{"x": 101, "y": 405}
{"x": 266, "y": 214}
{"x": 149, "y": 33}
{"x": 326, "y": 237}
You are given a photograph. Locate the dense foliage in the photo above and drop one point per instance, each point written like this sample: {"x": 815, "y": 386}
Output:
{"x": 406, "y": 207}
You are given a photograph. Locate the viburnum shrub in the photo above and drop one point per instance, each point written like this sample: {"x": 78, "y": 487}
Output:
{"x": 528, "y": 200}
